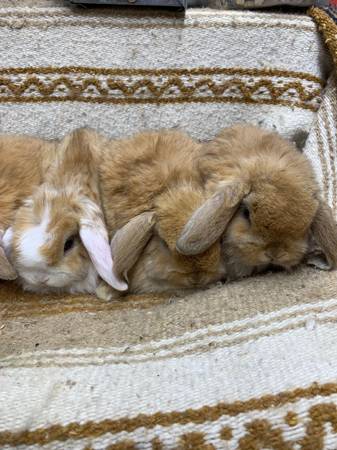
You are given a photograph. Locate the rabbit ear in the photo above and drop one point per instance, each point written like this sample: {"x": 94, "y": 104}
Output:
{"x": 78, "y": 156}
{"x": 7, "y": 271}
{"x": 130, "y": 240}
{"x": 95, "y": 241}
{"x": 322, "y": 251}
{"x": 209, "y": 221}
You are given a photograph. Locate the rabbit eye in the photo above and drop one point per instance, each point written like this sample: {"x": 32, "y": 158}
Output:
{"x": 69, "y": 244}
{"x": 245, "y": 212}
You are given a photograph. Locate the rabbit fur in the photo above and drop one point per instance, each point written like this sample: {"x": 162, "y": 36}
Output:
{"x": 277, "y": 212}
{"x": 243, "y": 203}
{"x": 23, "y": 162}
{"x": 182, "y": 214}
{"x": 151, "y": 180}
{"x": 58, "y": 241}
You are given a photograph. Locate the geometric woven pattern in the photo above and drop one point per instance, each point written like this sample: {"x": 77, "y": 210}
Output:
{"x": 118, "y": 86}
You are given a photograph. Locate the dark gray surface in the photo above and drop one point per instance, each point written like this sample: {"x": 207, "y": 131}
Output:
{"x": 180, "y": 4}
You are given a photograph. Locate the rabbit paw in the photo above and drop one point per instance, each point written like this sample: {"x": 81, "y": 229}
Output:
{"x": 106, "y": 292}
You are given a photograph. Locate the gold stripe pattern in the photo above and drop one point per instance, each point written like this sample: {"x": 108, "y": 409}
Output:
{"x": 328, "y": 28}
{"x": 160, "y": 86}
{"x": 323, "y": 161}
{"x": 260, "y": 433}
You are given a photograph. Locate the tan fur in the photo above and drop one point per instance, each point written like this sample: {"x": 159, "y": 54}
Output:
{"x": 199, "y": 193}
{"x": 323, "y": 244}
{"x": 7, "y": 271}
{"x": 210, "y": 220}
{"x": 64, "y": 223}
{"x": 156, "y": 172}
{"x": 130, "y": 240}
{"x": 76, "y": 163}
{"x": 160, "y": 267}
{"x": 282, "y": 199}
{"x": 135, "y": 171}
{"x": 167, "y": 176}
{"x": 70, "y": 182}
{"x": 71, "y": 173}
{"x": 173, "y": 209}
{"x": 23, "y": 162}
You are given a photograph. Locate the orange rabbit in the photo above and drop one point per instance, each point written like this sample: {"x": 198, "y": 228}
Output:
{"x": 272, "y": 212}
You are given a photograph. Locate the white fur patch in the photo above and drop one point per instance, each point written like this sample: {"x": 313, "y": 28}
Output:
{"x": 31, "y": 241}
{"x": 46, "y": 281}
{"x": 7, "y": 240}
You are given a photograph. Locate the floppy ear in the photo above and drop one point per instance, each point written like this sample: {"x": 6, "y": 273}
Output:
{"x": 322, "y": 251}
{"x": 95, "y": 240}
{"x": 210, "y": 220}
{"x": 7, "y": 271}
{"x": 130, "y": 240}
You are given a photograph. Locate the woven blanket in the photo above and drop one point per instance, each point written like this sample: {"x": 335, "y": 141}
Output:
{"x": 250, "y": 365}
{"x": 122, "y": 72}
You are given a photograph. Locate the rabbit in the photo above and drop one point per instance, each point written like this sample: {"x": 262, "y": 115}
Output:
{"x": 265, "y": 204}
{"x": 58, "y": 240}
{"x": 23, "y": 162}
{"x": 149, "y": 187}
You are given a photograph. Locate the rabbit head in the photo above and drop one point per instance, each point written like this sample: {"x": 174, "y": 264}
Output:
{"x": 144, "y": 250}
{"x": 58, "y": 241}
{"x": 265, "y": 203}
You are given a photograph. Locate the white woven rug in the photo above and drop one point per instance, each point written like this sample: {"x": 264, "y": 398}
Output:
{"x": 202, "y": 72}
{"x": 246, "y": 366}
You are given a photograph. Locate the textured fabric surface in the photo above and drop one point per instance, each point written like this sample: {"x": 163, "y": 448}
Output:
{"x": 267, "y": 381}
{"x": 251, "y": 4}
{"x": 242, "y": 366}
{"x": 125, "y": 72}
{"x": 85, "y": 321}
{"x": 321, "y": 145}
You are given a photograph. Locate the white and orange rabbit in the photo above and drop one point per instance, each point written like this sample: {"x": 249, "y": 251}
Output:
{"x": 58, "y": 240}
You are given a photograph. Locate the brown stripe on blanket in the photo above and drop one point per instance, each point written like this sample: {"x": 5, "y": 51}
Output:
{"x": 164, "y": 71}
{"x": 75, "y": 430}
{"x": 328, "y": 28}
{"x": 161, "y": 86}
